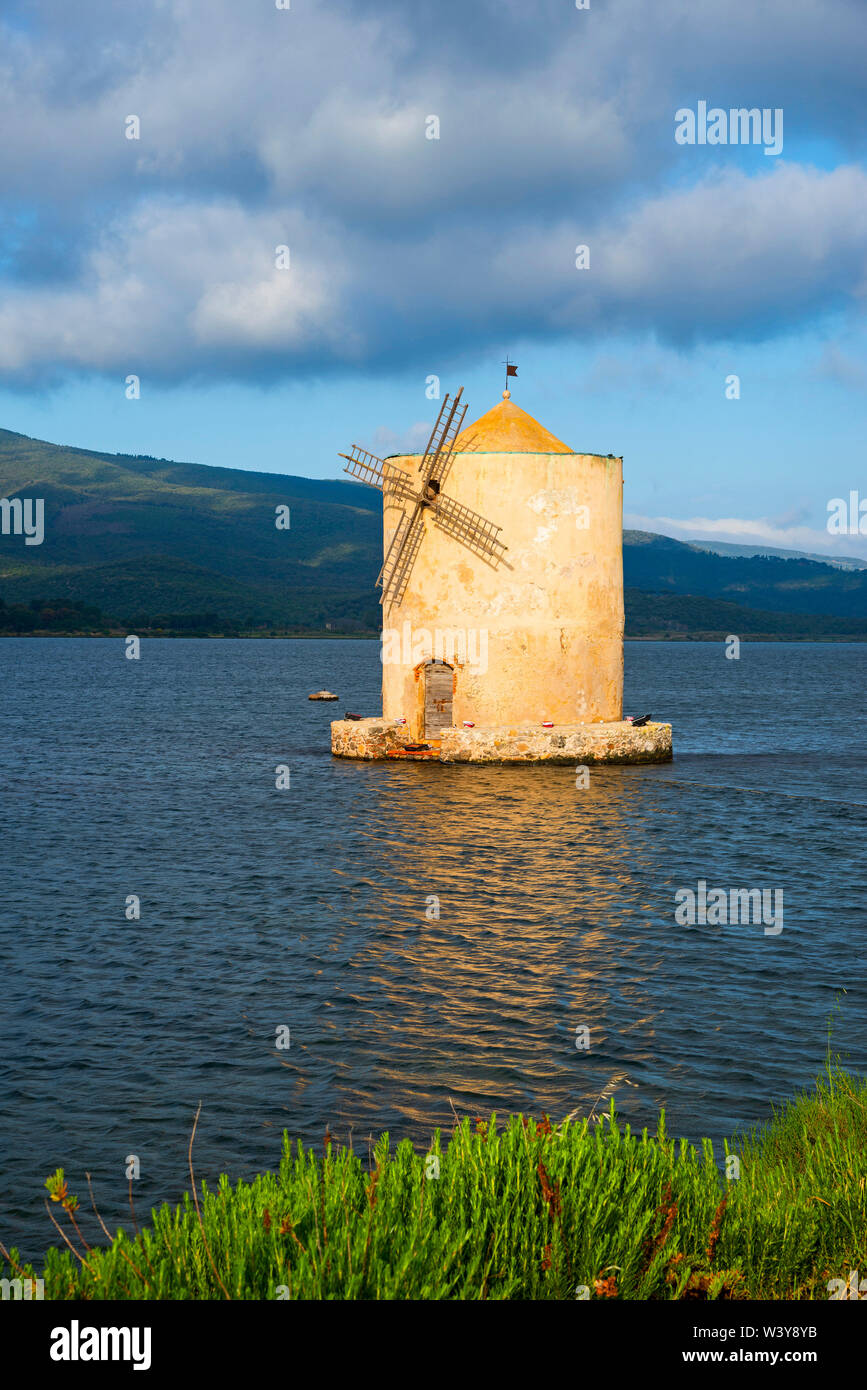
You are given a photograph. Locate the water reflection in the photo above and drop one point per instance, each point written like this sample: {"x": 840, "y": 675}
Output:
{"x": 550, "y": 918}
{"x": 307, "y": 909}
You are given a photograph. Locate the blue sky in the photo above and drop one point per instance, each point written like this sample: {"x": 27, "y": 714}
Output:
{"x": 412, "y": 256}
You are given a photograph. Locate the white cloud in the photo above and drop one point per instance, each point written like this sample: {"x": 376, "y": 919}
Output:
{"x": 410, "y": 441}
{"x": 180, "y": 287}
{"x": 306, "y": 126}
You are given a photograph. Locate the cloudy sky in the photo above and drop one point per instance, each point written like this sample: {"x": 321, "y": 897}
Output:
{"x": 411, "y": 257}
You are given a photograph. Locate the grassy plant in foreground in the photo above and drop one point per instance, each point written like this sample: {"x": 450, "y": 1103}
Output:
{"x": 527, "y": 1210}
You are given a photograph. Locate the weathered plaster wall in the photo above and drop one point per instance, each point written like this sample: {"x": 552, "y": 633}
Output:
{"x": 552, "y": 611}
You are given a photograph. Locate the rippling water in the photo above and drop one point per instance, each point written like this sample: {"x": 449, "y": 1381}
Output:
{"x": 306, "y": 907}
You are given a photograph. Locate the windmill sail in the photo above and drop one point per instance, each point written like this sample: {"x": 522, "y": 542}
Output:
{"x": 400, "y": 556}
{"x": 437, "y": 457}
{"x": 400, "y": 532}
{"x": 367, "y": 468}
{"x": 468, "y": 526}
{"x": 377, "y": 472}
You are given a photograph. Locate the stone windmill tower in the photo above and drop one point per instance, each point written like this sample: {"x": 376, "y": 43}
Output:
{"x": 502, "y": 586}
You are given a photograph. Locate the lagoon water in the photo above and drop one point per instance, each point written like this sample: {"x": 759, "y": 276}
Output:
{"x": 305, "y": 908}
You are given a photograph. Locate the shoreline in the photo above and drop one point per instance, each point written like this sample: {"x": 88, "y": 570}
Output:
{"x": 377, "y": 636}
{"x": 520, "y": 1209}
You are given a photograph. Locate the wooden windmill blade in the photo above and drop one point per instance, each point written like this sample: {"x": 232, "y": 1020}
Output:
{"x": 399, "y": 484}
{"x": 377, "y": 472}
{"x": 400, "y": 556}
{"x": 367, "y": 468}
{"x": 469, "y": 527}
{"x": 409, "y": 532}
{"x": 437, "y": 434}
{"x": 444, "y": 459}
{"x": 391, "y": 554}
{"x": 437, "y": 457}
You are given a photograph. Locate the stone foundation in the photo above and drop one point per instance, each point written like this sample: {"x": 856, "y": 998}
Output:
{"x": 578, "y": 744}
{"x": 565, "y": 743}
{"x": 367, "y": 738}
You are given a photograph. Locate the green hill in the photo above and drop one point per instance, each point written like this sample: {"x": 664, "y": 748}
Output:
{"x": 657, "y": 564}
{"x": 142, "y": 535}
{"x": 696, "y": 616}
{"x": 184, "y": 546}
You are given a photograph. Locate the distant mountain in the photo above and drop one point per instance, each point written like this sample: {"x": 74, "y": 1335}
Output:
{"x": 837, "y": 562}
{"x": 138, "y": 535}
{"x": 657, "y": 564}
{"x": 137, "y": 542}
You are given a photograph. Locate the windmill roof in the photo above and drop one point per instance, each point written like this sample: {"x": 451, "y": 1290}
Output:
{"x": 507, "y": 429}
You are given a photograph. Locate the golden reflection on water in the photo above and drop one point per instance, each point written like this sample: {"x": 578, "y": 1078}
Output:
{"x": 543, "y": 889}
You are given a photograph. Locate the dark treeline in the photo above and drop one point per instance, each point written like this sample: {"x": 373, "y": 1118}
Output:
{"x": 648, "y": 615}
{"x": 44, "y": 616}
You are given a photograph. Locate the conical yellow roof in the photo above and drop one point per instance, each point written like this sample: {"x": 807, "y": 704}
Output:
{"x": 507, "y": 429}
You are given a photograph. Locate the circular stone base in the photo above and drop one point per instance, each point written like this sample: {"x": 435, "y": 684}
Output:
{"x": 583, "y": 744}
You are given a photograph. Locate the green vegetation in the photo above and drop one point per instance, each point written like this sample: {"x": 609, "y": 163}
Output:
{"x": 131, "y": 535}
{"x": 525, "y": 1211}
{"x": 652, "y": 616}
{"x": 136, "y": 535}
{"x": 41, "y": 618}
{"x": 769, "y": 583}
{"x": 692, "y": 615}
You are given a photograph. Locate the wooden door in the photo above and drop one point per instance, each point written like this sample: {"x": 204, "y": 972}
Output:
{"x": 438, "y": 688}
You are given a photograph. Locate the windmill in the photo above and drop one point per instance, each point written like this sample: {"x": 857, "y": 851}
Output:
{"x": 468, "y": 527}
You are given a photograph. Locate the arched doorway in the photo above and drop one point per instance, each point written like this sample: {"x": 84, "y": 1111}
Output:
{"x": 438, "y": 693}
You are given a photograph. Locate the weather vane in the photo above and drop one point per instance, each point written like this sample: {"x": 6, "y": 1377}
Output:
{"x": 511, "y": 370}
